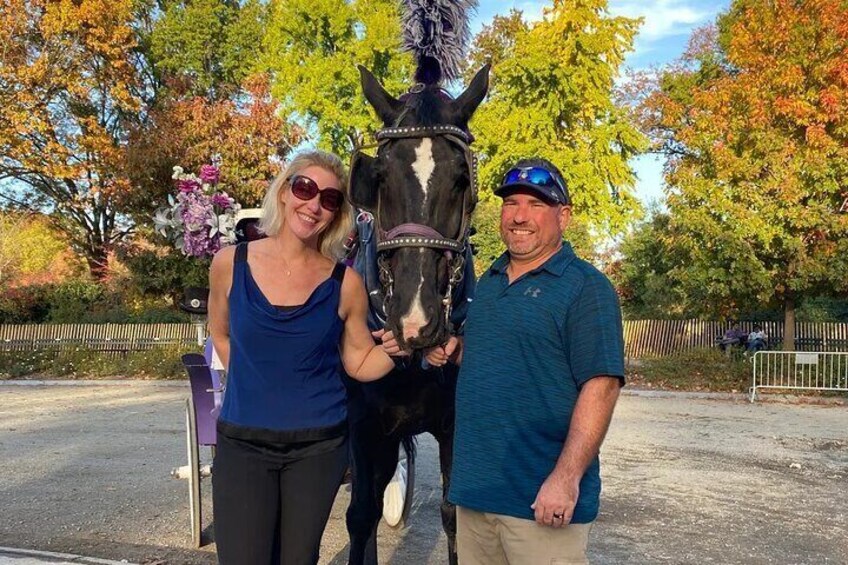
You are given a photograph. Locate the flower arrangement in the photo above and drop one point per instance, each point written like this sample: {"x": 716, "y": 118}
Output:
{"x": 200, "y": 219}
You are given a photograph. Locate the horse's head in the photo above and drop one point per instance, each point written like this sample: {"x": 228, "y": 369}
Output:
{"x": 421, "y": 190}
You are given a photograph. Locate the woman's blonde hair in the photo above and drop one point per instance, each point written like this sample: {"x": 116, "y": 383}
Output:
{"x": 331, "y": 239}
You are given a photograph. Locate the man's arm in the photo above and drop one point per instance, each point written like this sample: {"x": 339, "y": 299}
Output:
{"x": 589, "y": 423}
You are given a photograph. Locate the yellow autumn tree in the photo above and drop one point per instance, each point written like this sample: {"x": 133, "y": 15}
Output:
{"x": 68, "y": 89}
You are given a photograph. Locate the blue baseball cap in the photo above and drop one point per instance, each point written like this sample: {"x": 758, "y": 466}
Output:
{"x": 539, "y": 177}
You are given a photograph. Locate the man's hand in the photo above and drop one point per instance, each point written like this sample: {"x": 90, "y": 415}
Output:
{"x": 554, "y": 504}
{"x": 389, "y": 343}
{"x": 439, "y": 355}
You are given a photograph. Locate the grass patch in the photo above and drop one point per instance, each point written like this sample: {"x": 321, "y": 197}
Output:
{"x": 704, "y": 369}
{"x": 82, "y": 363}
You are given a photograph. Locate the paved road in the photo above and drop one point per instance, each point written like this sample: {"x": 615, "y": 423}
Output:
{"x": 15, "y": 556}
{"x": 84, "y": 471}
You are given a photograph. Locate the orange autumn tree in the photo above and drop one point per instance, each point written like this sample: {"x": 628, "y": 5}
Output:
{"x": 754, "y": 123}
{"x": 245, "y": 131}
{"x": 68, "y": 87}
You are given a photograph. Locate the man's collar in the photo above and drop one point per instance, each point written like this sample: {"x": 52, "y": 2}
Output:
{"x": 555, "y": 264}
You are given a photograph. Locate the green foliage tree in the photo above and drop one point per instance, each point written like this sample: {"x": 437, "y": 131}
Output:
{"x": 755, "y": 124}
{"x": 159, "y": 271}
{"x": 642, "y": 273}
{"x": 312, "y": 48}
{"x": 212, "y": 42}
{"x": 552, "y": 96}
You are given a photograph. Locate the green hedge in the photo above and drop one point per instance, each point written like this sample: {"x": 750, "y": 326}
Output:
{"x": 81, "y": 363}
{"x": 83, "y": 302}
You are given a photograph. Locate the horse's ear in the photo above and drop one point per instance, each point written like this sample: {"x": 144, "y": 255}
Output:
{"x": 467, "y": 102}
{"x": 362, "y": 183}
{"x": 387, "y": 107}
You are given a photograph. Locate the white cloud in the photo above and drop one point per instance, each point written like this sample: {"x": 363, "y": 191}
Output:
{"x": 662, "y": 18}
{"x": 532, "y": 10}
{"x": 665, "y": 18}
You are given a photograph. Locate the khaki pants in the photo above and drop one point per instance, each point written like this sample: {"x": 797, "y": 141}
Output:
{"x": 493, "y": 539}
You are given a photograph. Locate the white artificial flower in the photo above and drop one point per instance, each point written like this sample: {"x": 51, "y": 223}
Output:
{"x": 213, "y": 224}
{"x": 162, "y": 221}
{"x": 227, "y": 227}
{"x": 179, "y": 243}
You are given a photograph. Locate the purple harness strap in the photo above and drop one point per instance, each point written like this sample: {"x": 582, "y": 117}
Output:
{"x": 412, "y": 229}
{"x": 396, "y": 237}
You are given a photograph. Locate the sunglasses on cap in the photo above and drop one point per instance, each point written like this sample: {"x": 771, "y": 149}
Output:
{"x": 305, "y": 188}
{"x": 536, "y": 176}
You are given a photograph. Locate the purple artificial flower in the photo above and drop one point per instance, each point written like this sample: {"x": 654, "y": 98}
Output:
{"x": 188, "y": 185}
{"x": 201, "y": 220}
{"x": 196, "y": 213}
{"x": 222, "y": 201}
{"x": 210, "y": 174}
{"x": 195, "y": 244}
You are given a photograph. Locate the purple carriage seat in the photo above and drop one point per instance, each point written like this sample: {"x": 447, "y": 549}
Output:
{"x": 216, "y": 368}
{"x": 204, "y": 383}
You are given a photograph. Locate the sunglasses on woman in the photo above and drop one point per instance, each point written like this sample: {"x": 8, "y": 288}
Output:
{"x": 305, "y": 188}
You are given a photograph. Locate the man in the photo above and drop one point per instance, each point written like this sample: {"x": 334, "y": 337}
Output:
{"x": 733, "y": 336}
{"x": 756, "y": 340}
{"x": 542, "y": 361}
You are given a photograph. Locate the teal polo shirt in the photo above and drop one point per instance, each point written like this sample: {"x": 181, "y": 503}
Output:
{"x": 529, "y": 348}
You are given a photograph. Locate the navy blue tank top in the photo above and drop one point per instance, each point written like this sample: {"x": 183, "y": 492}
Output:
{"x": 284, "y": 372}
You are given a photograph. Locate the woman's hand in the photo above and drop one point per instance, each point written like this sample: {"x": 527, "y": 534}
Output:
{"x": 389, "y": 343}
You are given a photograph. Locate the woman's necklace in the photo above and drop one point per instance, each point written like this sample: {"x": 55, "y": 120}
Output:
{"x": 286, "y": 268}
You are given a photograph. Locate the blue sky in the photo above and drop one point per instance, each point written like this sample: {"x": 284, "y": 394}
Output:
{"x": 662, "y": 39}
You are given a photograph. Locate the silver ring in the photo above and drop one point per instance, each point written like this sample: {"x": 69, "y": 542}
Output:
{"x": 558, "y": 516}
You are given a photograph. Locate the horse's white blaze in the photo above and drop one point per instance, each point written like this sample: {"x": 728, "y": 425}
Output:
{"x": 415, "y": 318}
{"x": 423, "y": 167}
{"x": 424, "y": 164}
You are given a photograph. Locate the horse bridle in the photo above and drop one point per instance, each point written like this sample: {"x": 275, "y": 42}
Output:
{"x": 418, "y": 235}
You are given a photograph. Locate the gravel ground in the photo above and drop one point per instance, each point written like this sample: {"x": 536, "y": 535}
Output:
{"x": 85, "y": 470}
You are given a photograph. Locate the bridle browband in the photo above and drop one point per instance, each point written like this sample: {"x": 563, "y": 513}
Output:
{"x": 418, "y": 235}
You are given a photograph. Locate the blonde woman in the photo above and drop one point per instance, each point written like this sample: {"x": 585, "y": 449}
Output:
{"x": 285, "y": 316}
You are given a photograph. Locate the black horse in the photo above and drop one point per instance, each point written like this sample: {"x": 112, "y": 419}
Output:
{"x": 420, "y": 189}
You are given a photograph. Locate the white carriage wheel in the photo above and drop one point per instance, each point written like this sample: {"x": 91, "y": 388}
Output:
{"x": 397, "y": 498}
{"x": 193, "y": 452}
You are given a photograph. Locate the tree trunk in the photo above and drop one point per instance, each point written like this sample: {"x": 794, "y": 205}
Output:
{"x": 789, "y": 324}
{"x": 98, "y": 263}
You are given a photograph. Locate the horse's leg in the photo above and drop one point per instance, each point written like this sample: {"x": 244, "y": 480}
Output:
{"x": 445, "y": 440}
{"x": 373, "y": 461}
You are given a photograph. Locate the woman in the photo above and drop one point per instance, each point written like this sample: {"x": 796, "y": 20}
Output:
{"x": 284, "y": 316}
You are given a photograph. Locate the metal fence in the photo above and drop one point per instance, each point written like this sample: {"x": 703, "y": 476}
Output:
{"x": 794, "y": 370}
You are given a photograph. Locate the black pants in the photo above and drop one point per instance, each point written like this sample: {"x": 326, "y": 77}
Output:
{"x": 272, "y": 501}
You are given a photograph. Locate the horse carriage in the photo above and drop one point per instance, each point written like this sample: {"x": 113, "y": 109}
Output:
{"x": 416, "y": 189}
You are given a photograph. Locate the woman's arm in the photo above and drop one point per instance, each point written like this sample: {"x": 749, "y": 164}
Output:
{"x": 363, "y": 359}
{"x": 218, "y": 310}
